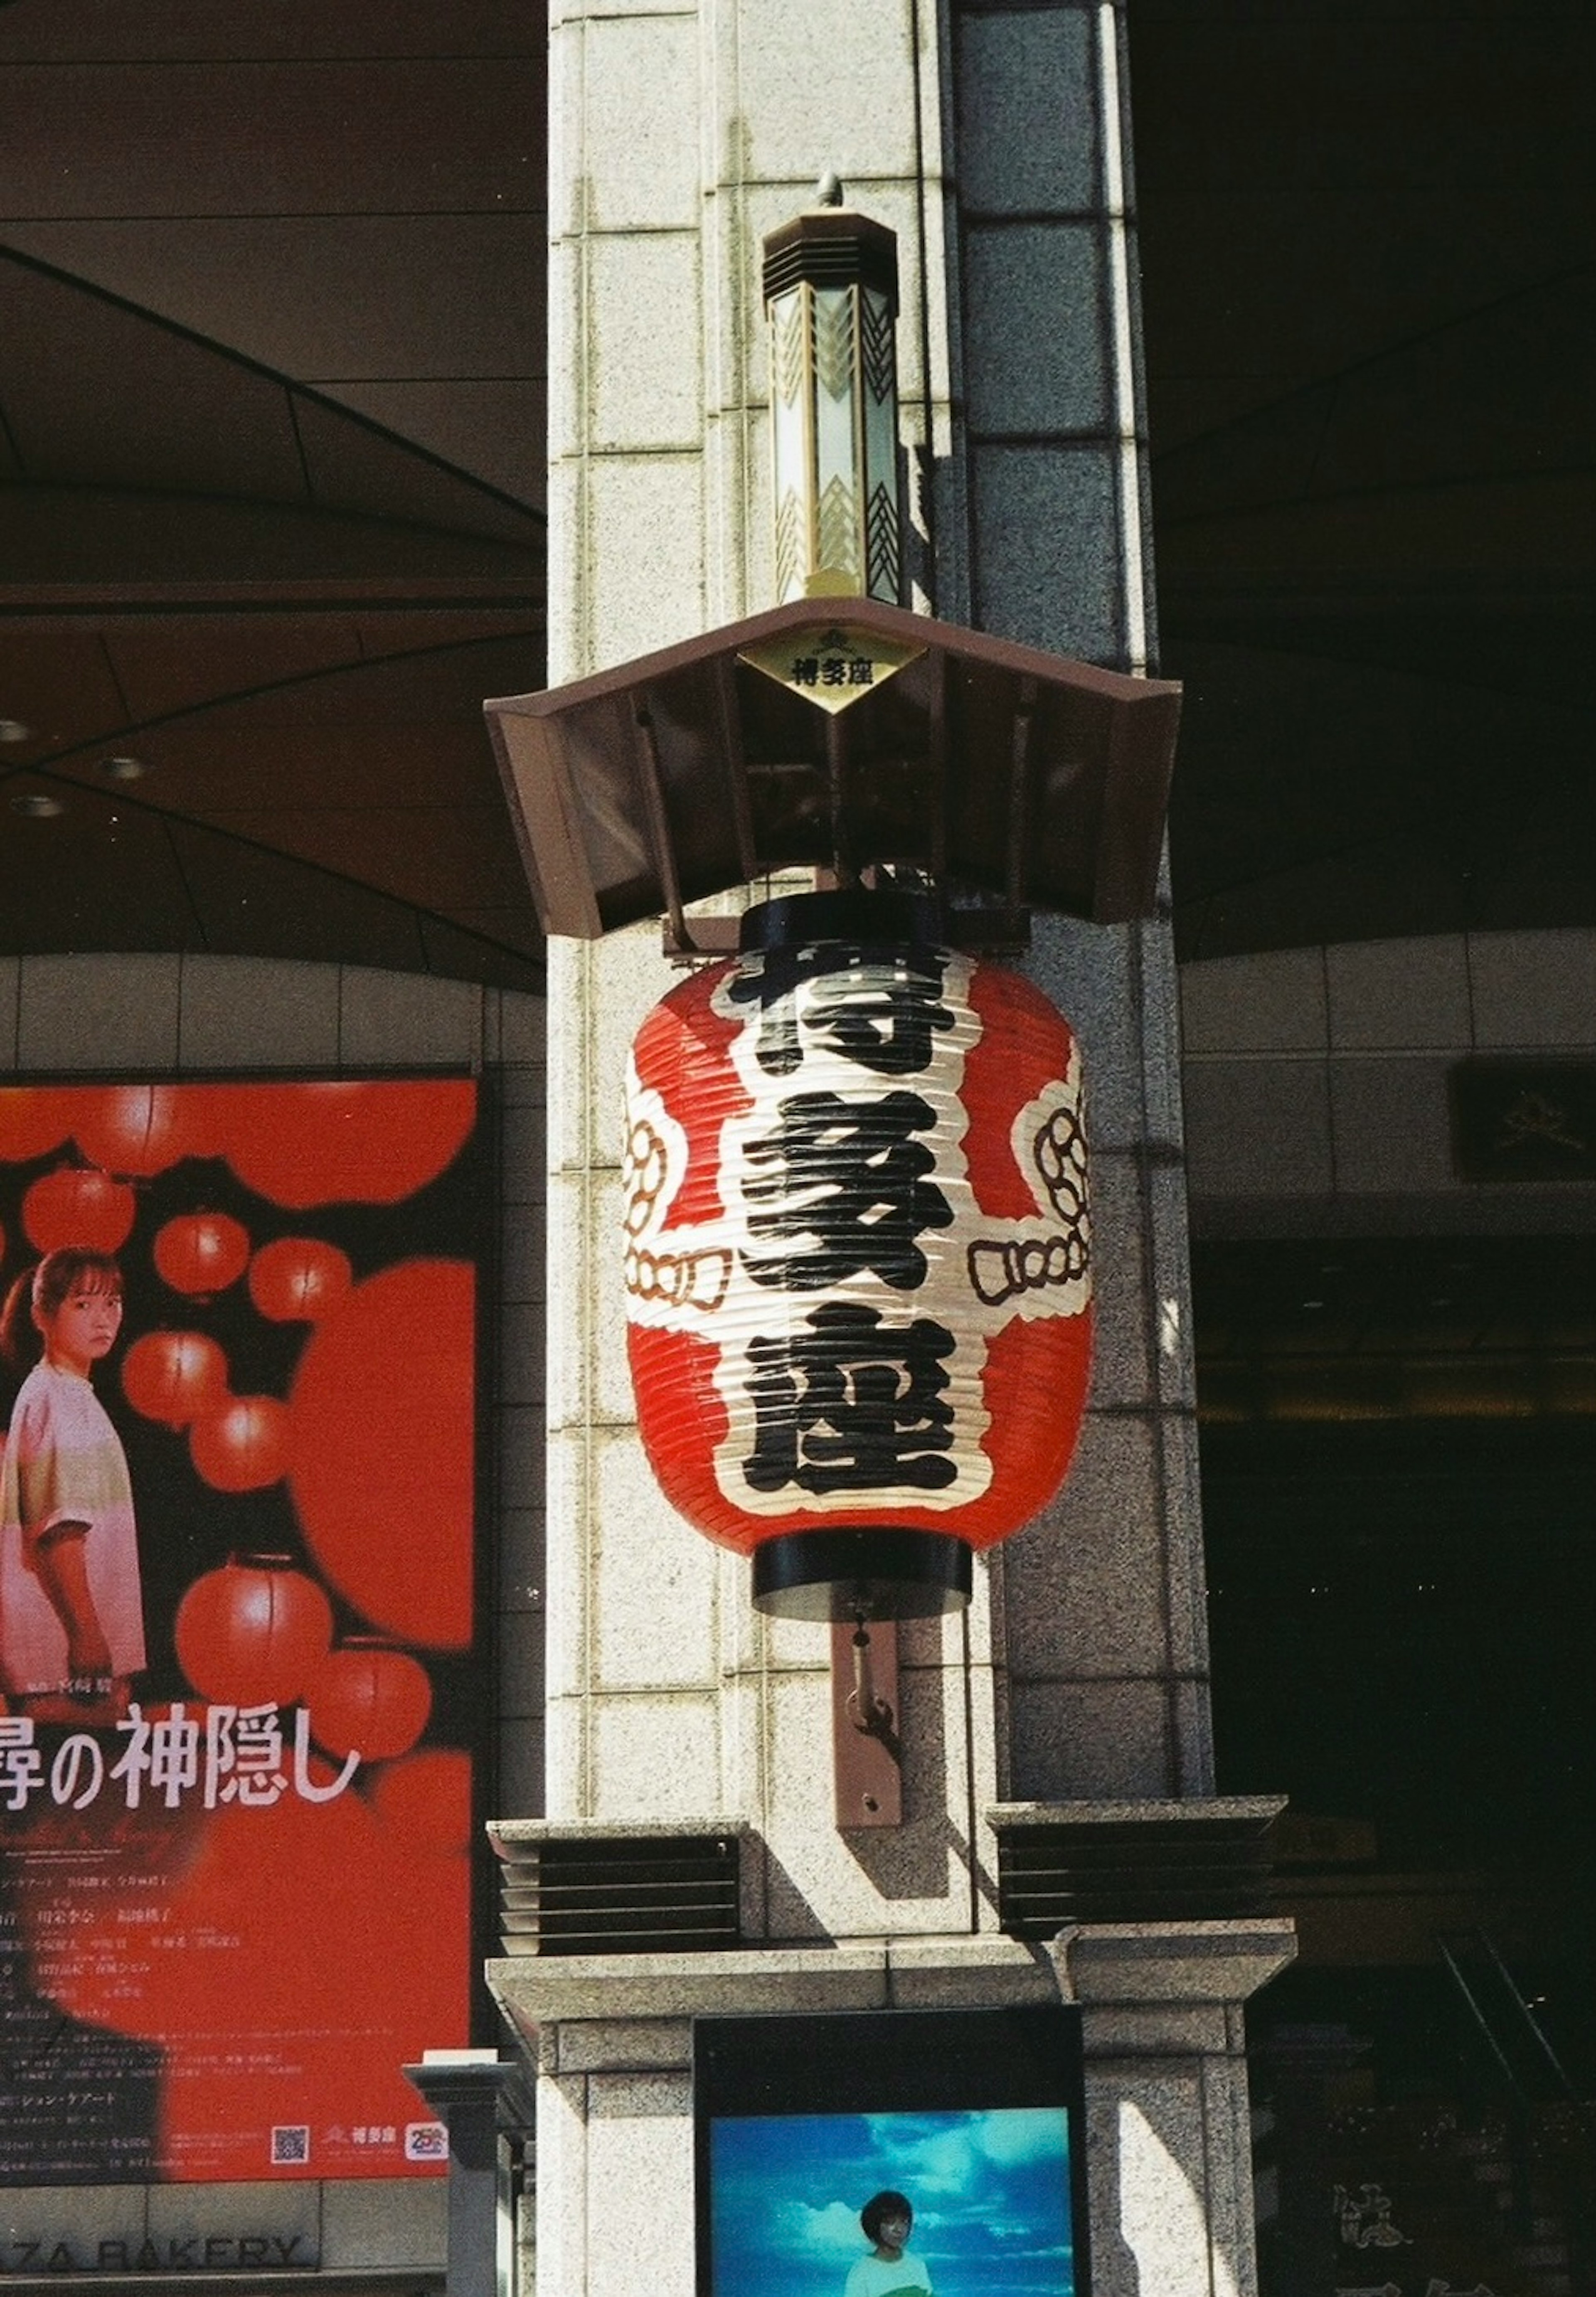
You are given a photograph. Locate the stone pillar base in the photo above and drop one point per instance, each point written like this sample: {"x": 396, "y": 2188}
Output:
{"x": 1168, "y": 2152}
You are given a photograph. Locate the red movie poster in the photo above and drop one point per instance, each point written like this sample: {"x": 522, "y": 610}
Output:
{"x": 239, "y": 1712}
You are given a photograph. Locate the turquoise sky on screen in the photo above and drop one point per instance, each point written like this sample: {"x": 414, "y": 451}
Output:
{"x": 990, "y": 2193}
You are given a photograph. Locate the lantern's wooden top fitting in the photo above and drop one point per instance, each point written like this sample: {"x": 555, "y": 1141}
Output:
{"x": 1006, "y": 774}
{"x": 832, "y": 246}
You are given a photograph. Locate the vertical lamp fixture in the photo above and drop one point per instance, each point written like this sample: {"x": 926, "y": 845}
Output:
{"x": 831, "y": 292}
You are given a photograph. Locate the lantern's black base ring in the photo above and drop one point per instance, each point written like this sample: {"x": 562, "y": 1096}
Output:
{"x": 881, "y": 1571}
{"x": 897, "y": 916}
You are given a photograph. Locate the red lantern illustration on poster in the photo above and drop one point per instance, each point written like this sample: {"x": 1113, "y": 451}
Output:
{"x": 298, "y": 1278}
{"x": 202, "y": 1253}
{"x": 254, "y": 1632}
{"x": 858, "y": 1261}
{"x": 139, "y": 1130}
{"x": 173, "y": 1377}
{"x": 80, "y": 1207}
{"x": 243, "y": 1445}
{"x": 369, "y": 1699}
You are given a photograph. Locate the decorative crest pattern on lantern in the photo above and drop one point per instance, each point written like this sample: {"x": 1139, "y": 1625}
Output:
{"x": 858, "y": 1263}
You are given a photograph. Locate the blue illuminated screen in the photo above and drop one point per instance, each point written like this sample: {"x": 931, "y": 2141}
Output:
{"x": 990, "y": 2193}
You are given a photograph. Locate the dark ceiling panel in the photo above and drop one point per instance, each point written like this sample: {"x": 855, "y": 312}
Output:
{"x": 68, "y": 31}
{"x": 1365, "y": 257}
{"x": 106, "y": 875}
{"x": 125, "y": 549}
{"x": 207, "y": 207}
{"x": 396, "y": 631}
{"x": 497, "y": 430}
{"x": 254, "y": 902}
{"x": 233, "y": 137}
{"x": 342, "y": 297}
{"x": 486, "y": 953}
{"x": 162, "y": 666}
{"x": 1504, "y": 392}
{"x": 372, "y": 784}
{"x": 94, "y": 394}
{"x": 353, "y": 467}
{"x": 441, "y": 858}
{"x": 101, "y": 874}
{"x": 60, "y": 683}
{"x": 222, "y": 762}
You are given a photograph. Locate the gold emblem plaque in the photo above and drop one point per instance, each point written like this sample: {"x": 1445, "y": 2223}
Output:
{"x": 831, "y": 665}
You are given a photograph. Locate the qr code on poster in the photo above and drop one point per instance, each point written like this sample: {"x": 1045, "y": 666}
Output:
{"x": 290, "y": 2146}
{"x": 426, "y": 2141}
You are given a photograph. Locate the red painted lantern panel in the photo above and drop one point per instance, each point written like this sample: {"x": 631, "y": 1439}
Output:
{"x": 857, "y": 1257}
{"x": 142, "y": 1129}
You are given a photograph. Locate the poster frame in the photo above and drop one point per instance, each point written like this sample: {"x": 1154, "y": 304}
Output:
{"x": 482, "y": 1238}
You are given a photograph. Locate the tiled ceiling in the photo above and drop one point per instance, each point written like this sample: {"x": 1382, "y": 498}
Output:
{"x": 271, "y": 418}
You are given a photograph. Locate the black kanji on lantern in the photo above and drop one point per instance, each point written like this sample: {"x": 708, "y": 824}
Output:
{"x": 885, "y": 1023}
{"x": 850, "y": 1403}
{"x": 845, "y": 1182}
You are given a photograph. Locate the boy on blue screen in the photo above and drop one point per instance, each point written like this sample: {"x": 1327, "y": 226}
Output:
{"x": 888, "y": 2271}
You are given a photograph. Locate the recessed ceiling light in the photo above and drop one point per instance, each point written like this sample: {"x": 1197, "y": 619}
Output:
{"x": 11, "y": 730}
{"x": 37, "y": 806}
{"x": 123, "y": 769}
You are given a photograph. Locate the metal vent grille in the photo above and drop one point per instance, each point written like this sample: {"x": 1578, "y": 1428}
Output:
{"x": 1163, "y": 1863}
{"x": 619, "y": 1894}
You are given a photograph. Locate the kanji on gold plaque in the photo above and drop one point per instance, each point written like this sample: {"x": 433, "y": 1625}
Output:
{"x": 835, "y": 664}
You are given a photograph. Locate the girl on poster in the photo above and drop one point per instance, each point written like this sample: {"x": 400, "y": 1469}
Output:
{"x": 71, "y": 1604}
{"x": 889, "y": 2270}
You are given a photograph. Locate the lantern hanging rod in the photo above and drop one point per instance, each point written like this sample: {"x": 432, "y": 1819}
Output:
{"x": 657, "y": 822}
{"x": 1019, "y": 786}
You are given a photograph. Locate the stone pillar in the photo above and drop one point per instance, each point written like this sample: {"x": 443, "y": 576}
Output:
{"x": 992, "y": 139}
{"x": 1168, "y": 2133}
{"x": 475, "y": 2094}
{"x": 1043, "y": 523}
{"x": 667, "y": 1696}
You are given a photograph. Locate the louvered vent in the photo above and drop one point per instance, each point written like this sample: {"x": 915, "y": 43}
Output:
{"x": 1131, "y": 1863}
{"x": 644, "y": 1892}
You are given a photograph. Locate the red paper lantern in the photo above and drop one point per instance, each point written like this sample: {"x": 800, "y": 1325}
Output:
{"x": 857, "y": 1258}
{"x": 202, "y": 1253}
{"x": 251, "y": 1634}
{"x": 78, "y": 1207}
{"x": 173, "y": 1377}
{"x": 368, "y": 1699}
{"x": 297, "y": 1278}
{"x": 142, "y": 1129}
{"x": 243, "y": 1445}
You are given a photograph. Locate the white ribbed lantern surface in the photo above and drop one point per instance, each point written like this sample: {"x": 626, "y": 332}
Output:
{"x": 858, "y": 1263}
